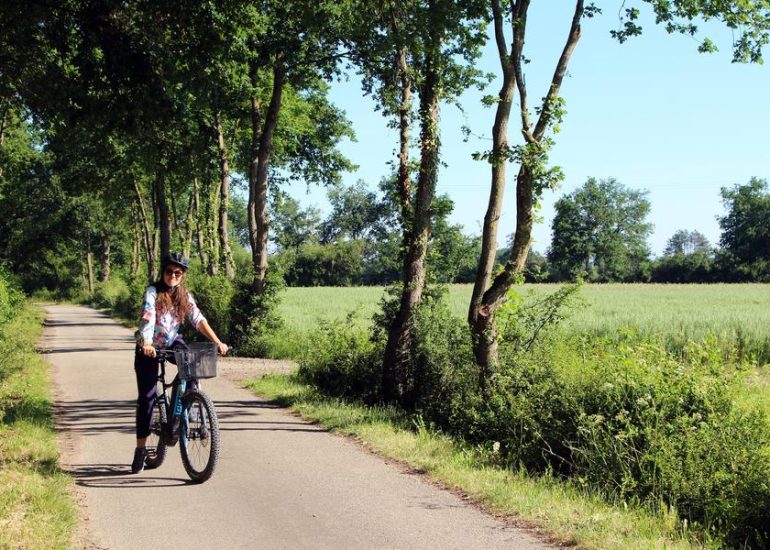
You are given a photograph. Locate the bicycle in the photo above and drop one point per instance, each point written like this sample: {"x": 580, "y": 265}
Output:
{"x": 188, "y": 416}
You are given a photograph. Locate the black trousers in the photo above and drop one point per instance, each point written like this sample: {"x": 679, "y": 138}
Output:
{"x": 146, "y": 369}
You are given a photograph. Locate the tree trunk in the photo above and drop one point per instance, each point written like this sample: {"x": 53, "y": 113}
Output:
{"x": 258, "y": 183}
{"x": 498, "y": 162}
{"x": 389, "y": 375}
{"x": 164, "y": 218}
{"x": 188, "y": 227}
{"x": 199, "y": 223}
{"x": 90, "y": 264}
{"x": 212, "y": 242}
{"x": 135, "y": 245}
{"x": 487, "y": 298}
{"x": 175, "y": 219}
{"x": 105, "y": 276}
{"x": 148, "y": 245}
{"x": 224, "y": 197}
{"x": 399, "y": 336}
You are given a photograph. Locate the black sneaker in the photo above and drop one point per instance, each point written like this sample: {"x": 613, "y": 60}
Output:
{"x": 140, "y": 454}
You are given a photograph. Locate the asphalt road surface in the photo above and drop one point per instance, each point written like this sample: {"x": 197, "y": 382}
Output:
{"x": 280, "y": 482}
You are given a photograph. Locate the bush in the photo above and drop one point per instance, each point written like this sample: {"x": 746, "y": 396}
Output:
{"x": 254, "y": 317}
{"x": 11, "y": 297}
{"x": 214, "y": 296}
{"x": 343, "y": 361}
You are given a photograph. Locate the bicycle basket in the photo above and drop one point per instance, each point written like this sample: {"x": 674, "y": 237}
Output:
{"x": 200, "y": 361}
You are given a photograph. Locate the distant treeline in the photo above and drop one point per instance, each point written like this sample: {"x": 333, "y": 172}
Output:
{"x": 599, "y": 234}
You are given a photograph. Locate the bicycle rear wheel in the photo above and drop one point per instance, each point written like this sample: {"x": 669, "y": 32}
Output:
{"x": 156, "y": 446}
{"x": 199, "y": 443}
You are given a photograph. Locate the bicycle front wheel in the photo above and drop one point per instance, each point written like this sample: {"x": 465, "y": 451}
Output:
{"x": 156, "y": 445}
{"x": 199, "y": 443}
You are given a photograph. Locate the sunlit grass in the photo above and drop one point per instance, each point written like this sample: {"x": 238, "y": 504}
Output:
{"x": 737, "y": 315}
{"x": 36, "y": 509}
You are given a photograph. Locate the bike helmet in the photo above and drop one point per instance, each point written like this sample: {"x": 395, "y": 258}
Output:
{"x": 177, "y": 258}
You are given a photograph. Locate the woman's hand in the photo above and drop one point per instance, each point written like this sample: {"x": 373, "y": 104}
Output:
{"x": 223, "y": 348}
{"x": 148, "y": 350}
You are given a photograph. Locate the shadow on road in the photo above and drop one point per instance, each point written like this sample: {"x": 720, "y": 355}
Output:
{"x": 78, "y": 350}
{"x": 60, "y": 323}
{"x": 120, "y": 476}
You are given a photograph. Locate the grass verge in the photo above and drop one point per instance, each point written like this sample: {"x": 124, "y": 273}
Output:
{"x": 36, "y": 507}
{"x": 560, "y": 510}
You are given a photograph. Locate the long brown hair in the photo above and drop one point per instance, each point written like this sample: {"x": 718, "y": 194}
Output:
{"x": 175, "y": 299}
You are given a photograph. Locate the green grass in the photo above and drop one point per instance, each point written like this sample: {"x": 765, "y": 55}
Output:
{"x": 563, "y": 511}
{"x": 737, "y": 315}
{"x": 36, "y": 508}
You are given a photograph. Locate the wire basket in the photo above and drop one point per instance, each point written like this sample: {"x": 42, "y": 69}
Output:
{"x": 199, "y": 361}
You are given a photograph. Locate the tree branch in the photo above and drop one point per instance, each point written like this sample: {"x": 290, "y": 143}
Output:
{"x": 561, "y": 70}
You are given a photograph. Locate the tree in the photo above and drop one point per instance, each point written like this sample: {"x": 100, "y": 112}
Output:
{"x": 745, "y": 238}
{"x": 751, "y": 22}
{"x": 599, "y": 231}
{"x": 427, "y": 47}
{"x": 293, "y": 224}
{"x": 687, "y": 258}
{"x": 687, "y": 242}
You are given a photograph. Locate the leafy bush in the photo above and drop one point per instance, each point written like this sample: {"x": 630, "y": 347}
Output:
{"x": 111, "y": 292}
{"x": 343, "y": 361}
{"x": 214, "y": 296}
{"x": 254, "y": 318}
{"x": 11, "y": 297}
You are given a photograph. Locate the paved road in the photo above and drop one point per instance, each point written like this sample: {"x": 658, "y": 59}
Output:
{"x": 280, "y": 482}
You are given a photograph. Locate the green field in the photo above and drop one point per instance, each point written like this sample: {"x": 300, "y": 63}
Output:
{"x": 737, "y": 316}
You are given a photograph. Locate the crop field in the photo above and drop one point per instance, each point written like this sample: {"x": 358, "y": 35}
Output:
{"x": 737, "y": 316}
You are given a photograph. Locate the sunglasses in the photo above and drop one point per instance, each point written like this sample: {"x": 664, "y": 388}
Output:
{"x": 174, "y": 272}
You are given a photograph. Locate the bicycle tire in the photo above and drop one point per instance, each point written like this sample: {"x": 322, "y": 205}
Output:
{"x": 156, "y": 444}
{"x": 199, "y": 444}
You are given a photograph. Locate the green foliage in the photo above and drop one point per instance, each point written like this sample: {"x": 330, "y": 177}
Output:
{"x": 343, "y": 361}
{"x": 11, "y": 298}
{"x": 600, "y": 230}
{"x": 214, "y": 296}
{"x": 750, "y": 22}
{"x": 254, "y": 317}
{"x": 335, "y": 264}
{"x": 627, "y": 419}
{"x": 745, "y": 234}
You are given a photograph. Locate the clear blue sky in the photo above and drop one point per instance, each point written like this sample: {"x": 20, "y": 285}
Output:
{"x": 653, "y": 113}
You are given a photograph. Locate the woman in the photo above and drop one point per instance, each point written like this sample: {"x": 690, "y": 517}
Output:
{"x": 166, "y": 305}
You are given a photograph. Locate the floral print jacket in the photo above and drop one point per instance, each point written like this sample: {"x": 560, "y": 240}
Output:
{"x": 162, "y": 330}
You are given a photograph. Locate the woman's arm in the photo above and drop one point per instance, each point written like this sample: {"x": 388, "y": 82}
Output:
{"x": 205, "y": 329}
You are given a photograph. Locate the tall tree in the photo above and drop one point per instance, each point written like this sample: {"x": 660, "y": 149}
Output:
{"x": 751, "y": 22}
{"x": 426, "y": 48}
{"x": 745, "y": 235}
{"x": 600, "y": 231}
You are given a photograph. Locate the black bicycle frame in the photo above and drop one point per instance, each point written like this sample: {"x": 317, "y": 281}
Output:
{"x": 174, "y": 409}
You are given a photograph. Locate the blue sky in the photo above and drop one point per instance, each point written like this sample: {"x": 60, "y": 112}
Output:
{"x": 653, "y": 113}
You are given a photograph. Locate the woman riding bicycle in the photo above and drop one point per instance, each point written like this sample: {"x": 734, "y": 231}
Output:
{"x": 166, "y": 305}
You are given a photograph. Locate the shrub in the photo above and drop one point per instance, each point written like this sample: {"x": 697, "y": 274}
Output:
{"x": 109, "y": 293}
{"x": 254, "y": 317}
{"x": 343, "y": 361}
{"x": 11, "y": 297}
{"x": 214, "y": 296}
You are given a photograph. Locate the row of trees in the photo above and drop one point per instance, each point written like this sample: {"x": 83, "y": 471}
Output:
{"x": 600, "y": 232}
{"x": 130, "y": 119}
